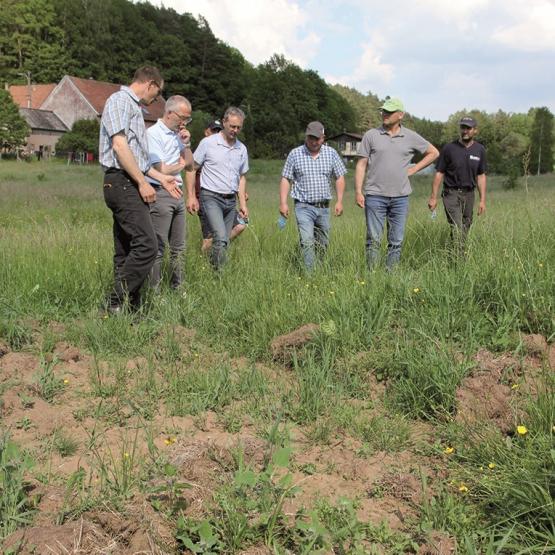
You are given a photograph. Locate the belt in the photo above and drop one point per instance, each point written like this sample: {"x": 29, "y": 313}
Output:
{"x": 223, "y": 195}
{"x": 460, "y": 189}
{"x": 319, "y": 204}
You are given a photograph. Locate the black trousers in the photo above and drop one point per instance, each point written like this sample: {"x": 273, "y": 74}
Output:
{"x": 459, "y": 207}
{"x": 135, "y": 243}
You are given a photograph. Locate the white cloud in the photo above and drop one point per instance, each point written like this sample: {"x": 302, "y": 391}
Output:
{"x": 369, "y": 71}
{"x": 532, "y": 28}
{"x": 258, "y": 29}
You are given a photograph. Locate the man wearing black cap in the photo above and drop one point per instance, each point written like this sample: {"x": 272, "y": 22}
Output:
{"x": 310, "y": 167}
{"x": 462, "y": 168}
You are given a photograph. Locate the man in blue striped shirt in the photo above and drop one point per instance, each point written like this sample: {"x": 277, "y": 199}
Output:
{"x": 310, "y": 167}
{"x": 123, "y": 154}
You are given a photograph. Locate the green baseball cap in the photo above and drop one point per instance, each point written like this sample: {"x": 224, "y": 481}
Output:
{"x": 393, "y": 105}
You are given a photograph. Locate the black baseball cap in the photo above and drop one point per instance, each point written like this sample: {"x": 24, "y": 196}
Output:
{"x": 467, "y": 121}
{"x": 214, "y": 125}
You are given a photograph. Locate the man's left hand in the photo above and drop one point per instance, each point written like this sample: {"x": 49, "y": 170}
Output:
{"x": 185, "y": 136}
{"x": 244, "y": 212}
{"x": 170, "y": 184}
{"x": 481, "y": 208}
{"x": 338, "y": 208}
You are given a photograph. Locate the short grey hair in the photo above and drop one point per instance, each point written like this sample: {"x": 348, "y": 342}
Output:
{"x": 174, "y": 102}
{"x": 234, "y": 111}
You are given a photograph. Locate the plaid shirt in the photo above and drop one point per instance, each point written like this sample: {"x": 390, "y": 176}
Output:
{"x": 122, "y": 112}
{"x": 311, "y": 176}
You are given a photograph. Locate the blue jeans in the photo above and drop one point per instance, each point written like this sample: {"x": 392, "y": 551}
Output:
{"x": 314, "y": 231}
{"x": 378, "y": 210}
{"x": 220, "y": 213}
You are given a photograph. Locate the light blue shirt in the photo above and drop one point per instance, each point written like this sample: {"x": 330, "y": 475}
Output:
{"x": 122, "y": 112}
{"x": 164, "y": 145}
{"x": 222, "y": 164}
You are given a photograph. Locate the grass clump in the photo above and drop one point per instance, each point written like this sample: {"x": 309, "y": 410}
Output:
{"x": 15, "y": 506}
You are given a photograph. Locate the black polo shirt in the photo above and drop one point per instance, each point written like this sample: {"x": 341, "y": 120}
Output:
{"x": 461, "y": 165}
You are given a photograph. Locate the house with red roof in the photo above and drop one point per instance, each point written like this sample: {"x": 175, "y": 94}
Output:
{"x": 30, "y": 96}
{"x": 72, "y": 99}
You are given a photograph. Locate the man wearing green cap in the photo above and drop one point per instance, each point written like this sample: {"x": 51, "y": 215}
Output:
{"x": 383, "y": 167}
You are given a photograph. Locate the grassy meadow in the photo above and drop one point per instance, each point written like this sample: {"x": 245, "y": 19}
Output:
{"x": 309, "y": 451}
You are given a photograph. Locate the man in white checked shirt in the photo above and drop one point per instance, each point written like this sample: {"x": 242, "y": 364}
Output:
{"x": 310, "y": 168}
{"x": 124, "y": 157}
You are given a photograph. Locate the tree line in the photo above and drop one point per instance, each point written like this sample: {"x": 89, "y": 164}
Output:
{"x": 108, "y": 39}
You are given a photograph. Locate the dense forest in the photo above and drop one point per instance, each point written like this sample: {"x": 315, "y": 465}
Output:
{"x": 108, "y": 39}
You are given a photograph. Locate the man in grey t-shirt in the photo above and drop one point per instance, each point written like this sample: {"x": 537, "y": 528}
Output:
{"x": 385, "y": 155}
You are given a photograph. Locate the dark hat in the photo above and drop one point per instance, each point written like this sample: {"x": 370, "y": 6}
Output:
{"x": 467, "y": 121}
{"x": 214, "y": 125}
{"x": 314, "y": 129}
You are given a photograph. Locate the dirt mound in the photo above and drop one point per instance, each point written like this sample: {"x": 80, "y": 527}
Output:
{"x": 20, "y": 366}
{"x": 81, "y": 537}
{"x": 438, "y": 543}
{"x": 284, "y": 346}
{"x": 4, "y": 349}
{"x": 65, "y": 352}
{"x": 482, "y": 396}
{"x": 535, "y": 344}
{"x": 103, "y": 533}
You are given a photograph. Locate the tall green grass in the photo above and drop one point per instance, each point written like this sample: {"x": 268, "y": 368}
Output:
{"x": 416, "y": 329}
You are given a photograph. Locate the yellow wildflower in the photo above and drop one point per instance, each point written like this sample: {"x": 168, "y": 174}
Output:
{"x": 481, "y": 469}
{"x": 491, "y": 465}
{"x": 126, "y": 455}
{"x": 515, "y": 386}
{"x": 449, "y": 450}
{"x": 540, "y": 265}
{"x": 66, "y": 381}
{"x": 169, "y": 440}
{"x": 522, "y": 430}
{"x": 463, "y": 488}
{"x": 416, "y": 290}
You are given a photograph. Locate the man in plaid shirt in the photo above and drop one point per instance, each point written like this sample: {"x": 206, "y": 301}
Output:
{"x": 310, "y": 168}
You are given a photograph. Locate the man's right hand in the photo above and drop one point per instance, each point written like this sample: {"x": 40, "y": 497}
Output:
{"x": 192, "y": 205}
{"x": 432, "y": 203}
{"x": 284, "y": 210}
{"x": 359, "y": 199}
{"x": 147, "y": 192}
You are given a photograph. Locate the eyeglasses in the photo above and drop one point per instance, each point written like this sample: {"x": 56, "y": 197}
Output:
{"x": 158, "y": 86}
{"x": 183, "y": 119}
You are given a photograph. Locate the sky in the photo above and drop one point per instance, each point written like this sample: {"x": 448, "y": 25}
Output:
{"x": 437, "y": 56}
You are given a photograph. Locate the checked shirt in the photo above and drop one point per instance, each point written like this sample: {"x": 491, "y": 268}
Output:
{"x": 311, "y": 176}
{"x": 122, "y": 112}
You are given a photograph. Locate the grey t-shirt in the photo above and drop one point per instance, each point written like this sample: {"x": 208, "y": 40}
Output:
{"x": 389, "y": 159}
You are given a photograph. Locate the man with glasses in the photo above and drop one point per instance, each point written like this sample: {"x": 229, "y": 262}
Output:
{"x": 385, "y": 156}
{"x": 310, "y": 167}
{"x": 170, "y": 154}
{"x": 123, "y": 154}
{"x": 462, "y": 168}
{"x": 224, "y": 162}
